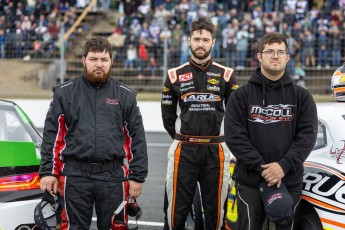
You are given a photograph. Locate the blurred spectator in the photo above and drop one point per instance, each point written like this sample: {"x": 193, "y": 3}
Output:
{"x": 335, "y": 40}
{"x": 143, "y": 55}
{"x": 153, "y": 66}
{"x": 131, "y": 59}
{"x": 2, "y": 43}
{"x": 308, "y": 44}
{"x": 215, "y": 52}
{"x": 323, "y": 46}
{"x": 229, "y": 46}
{"x": 293, "y": 46}
{"x": 301, "y": 9}
{"x": 242, "y": 45}
{"x": 299, "y": 76}
{"x": 184, "y": 49}
{"x": 143, "y": 11}
{"x": 174, "y": 51}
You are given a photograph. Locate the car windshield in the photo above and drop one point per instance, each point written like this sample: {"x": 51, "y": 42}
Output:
{"x": 14, "y": 127}
{"x": 321, "y": 140}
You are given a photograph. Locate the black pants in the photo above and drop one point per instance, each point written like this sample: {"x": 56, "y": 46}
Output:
{"x": 251, "y": 212}
{"x": 83, "y": 193}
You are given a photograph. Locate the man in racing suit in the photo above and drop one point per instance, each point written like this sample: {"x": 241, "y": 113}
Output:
{"x": 193, "y": 104}
{"x": 93, "y": 123}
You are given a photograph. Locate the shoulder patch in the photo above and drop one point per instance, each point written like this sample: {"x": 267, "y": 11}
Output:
{"x": 172, "y": 75}
{"x": 172, "y": 72}
{"x": 228, "y": 73}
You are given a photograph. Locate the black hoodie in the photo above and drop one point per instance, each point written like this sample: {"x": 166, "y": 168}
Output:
{"x": 270, "y": 121}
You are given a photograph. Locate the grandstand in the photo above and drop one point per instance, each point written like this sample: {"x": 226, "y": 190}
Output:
{"x": 156, "y": 31}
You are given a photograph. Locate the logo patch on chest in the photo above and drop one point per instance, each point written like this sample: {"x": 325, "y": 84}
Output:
{"x": 185, "y": 77}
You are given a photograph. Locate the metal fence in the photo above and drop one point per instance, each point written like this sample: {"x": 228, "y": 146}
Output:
{"x": 63, "y": 60}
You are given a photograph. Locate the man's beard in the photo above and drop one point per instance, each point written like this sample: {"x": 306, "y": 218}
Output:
{"x": 203, "y": 56}
{"x": 97, "y": 78}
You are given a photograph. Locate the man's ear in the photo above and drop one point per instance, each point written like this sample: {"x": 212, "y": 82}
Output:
{"x": 83, "y": 60}
{"x": 258, "y": 56}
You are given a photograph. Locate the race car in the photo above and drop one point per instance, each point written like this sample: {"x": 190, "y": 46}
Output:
{"x": 323, "y": 195}
{"x": 20, "y": 158}
{"x": 338, "y": 83}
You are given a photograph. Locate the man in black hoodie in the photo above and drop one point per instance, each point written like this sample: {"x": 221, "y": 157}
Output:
{"x": 270, "y": 127}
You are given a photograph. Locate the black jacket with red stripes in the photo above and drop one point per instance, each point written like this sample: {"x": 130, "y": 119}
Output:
{"x": 194, "y": 98}
{"x": 94, "y": 124}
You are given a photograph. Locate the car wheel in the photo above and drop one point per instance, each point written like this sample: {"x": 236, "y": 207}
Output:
{"x": 195, "y": 218}
{"x": 310, "y": 221}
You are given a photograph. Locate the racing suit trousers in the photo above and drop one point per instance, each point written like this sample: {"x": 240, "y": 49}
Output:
{"x": 188, "y": 163}
{"x": 251, "y": 212}
{"x": 83, "y": 191}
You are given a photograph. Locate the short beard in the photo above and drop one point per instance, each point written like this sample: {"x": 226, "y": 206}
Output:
{"x": 201, "y": 57}
{"x": 97, "y": 79}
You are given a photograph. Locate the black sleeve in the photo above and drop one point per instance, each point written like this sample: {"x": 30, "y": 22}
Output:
{"x": 53, "y": 139}
{"x": 231, "y": 87}
{"x": 138, "y": 165}
{"x": 169, "y": 106}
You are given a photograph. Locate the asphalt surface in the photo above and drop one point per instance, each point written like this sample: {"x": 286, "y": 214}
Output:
{"x": 151, "y": 199}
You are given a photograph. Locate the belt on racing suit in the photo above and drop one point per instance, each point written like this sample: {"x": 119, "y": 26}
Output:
{"x": 199, "y": 139}
{"x": 93, "y": 167}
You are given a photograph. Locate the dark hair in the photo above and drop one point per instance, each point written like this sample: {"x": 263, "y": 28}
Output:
{"x": 273, "y": 37}
{"x": 202, "y": 23}
{"x": 97, "y": 44}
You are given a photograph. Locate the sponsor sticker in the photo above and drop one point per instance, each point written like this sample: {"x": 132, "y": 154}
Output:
{"x": 213, "y": 74}
{"x": 167, "y": 102}
{"x": 234, "y": 86}
{"x": 185, "y": 77}
{"x": 338, "y": 153}
{"x": 213, "y": 88}
{"x": 213, "y": 81}
{"x": 165, "y": 89}
{"x": 200, "y": 97}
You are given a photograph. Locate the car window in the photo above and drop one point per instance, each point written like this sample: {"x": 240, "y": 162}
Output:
{"x": 321, "y": 139}
{"x": 11, "y": 128}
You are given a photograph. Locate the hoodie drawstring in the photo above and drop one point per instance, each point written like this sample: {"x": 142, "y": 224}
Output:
{"x": 263, "y": 93}
{"x": 281, "y": 83}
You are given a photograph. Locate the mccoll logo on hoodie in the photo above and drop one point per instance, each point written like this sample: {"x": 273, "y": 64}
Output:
{"x": 271, "y": 113}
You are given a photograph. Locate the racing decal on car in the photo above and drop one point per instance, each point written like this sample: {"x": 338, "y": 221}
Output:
{"x": 185, "y": 77}
{"x": 324, "y": 187}
{"x": 271, "y": 113}
{"x": 337, "y": 153}
{"x": 200, "y": 97}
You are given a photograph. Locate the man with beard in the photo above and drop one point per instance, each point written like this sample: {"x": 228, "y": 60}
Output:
{"x": 271, "y": 128}
{"x": 193, "y": 104}
{"x": 93, "y": 124}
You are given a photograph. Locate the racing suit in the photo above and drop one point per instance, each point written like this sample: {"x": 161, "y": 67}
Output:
{"x": 193, "y": 105}
{"x": 88, "y": 132}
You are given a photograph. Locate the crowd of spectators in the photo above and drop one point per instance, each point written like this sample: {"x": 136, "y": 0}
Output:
{"x": 315, "y": 30}
{"x": 32, "y": 26}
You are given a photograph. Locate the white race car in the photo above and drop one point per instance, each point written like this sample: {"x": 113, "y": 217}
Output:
{"x": 20, "y": 158}
{"x": 323, "y": 199}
